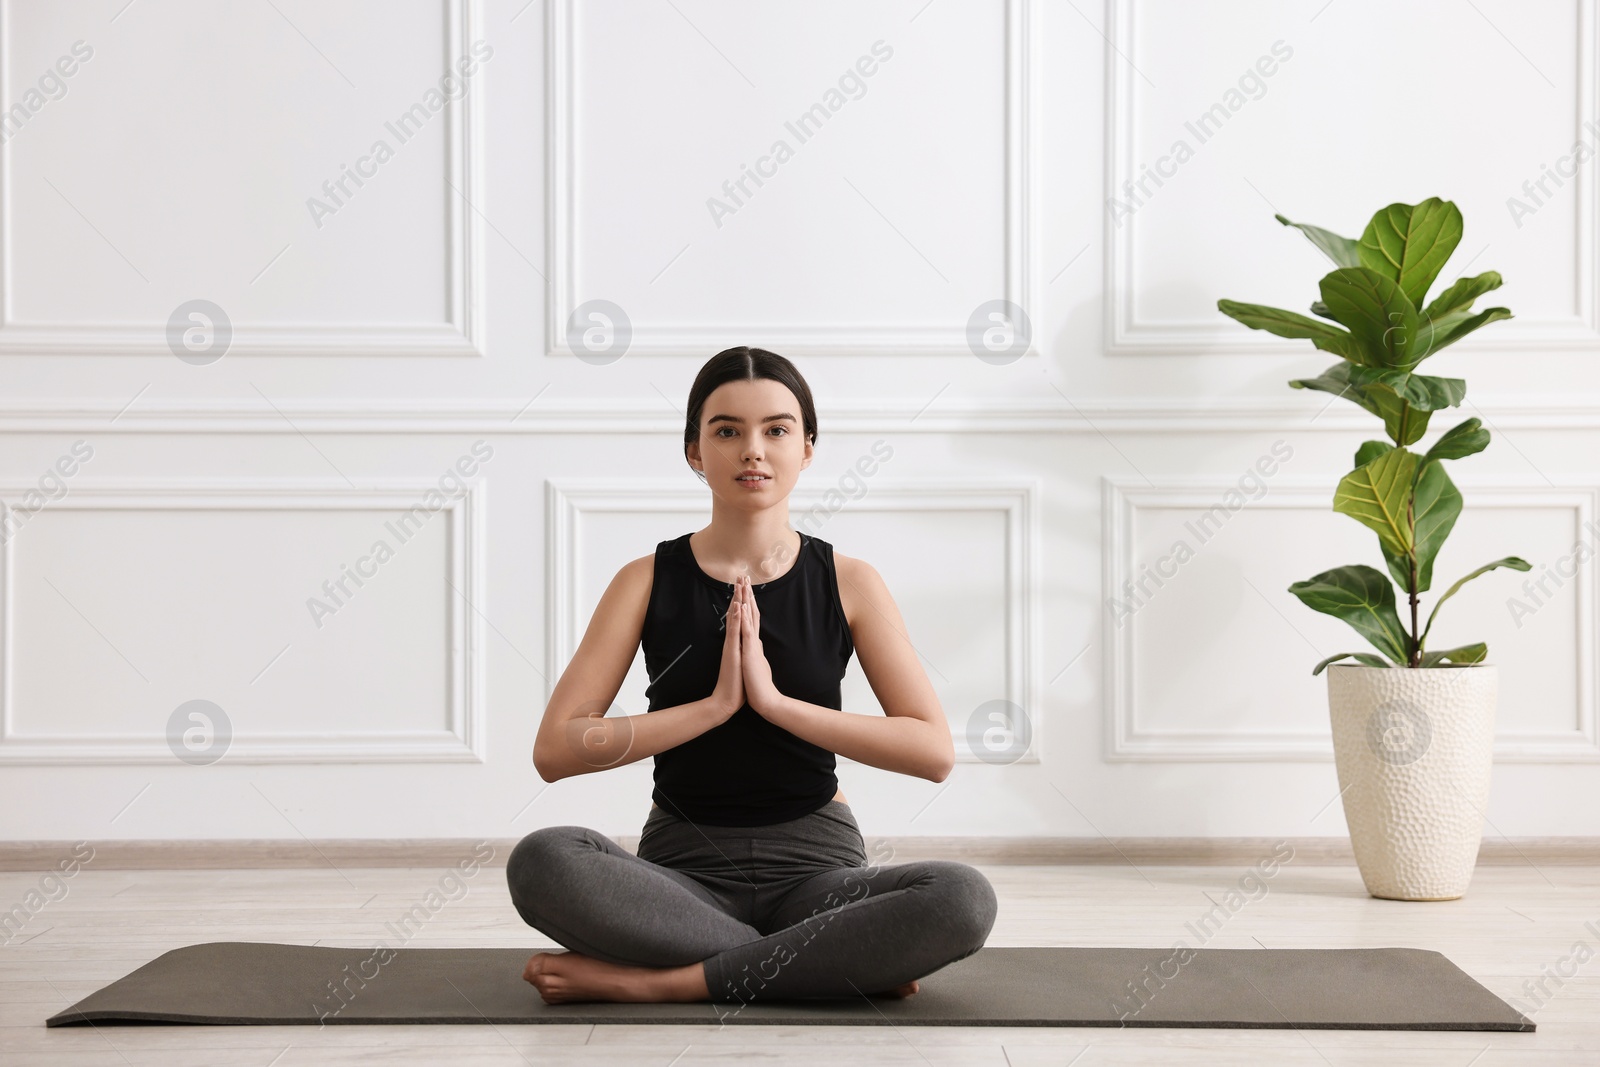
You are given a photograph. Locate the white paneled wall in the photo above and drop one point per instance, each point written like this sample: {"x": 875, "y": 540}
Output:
{"x": 363, "y": 507}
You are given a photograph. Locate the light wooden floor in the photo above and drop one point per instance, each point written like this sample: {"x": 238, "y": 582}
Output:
{"x": 1514, "y": 924}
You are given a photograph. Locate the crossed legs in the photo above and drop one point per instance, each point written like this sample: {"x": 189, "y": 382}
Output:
{"x": 643, "y": 932}
{"x": 858, "y": 931}
{"x": 617, "y": 915}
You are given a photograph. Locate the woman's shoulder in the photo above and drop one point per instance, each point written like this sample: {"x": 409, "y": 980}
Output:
{"x": 639, "y": 574}
{"x": 851, "y": 566}
{"x": 643, "y": 568}
{"x": 852, "y": 577}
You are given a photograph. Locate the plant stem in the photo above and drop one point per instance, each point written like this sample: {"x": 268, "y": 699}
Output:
{"x": 1416, "y": 645}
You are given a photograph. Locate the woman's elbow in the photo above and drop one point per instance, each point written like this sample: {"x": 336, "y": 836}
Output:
{"x": 544, "y": 767}
{"x": 946, "y": 761}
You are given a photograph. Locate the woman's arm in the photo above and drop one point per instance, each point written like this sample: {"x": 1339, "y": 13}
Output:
{"x": 576, "y": 736}
{"x": 913, "y": 736}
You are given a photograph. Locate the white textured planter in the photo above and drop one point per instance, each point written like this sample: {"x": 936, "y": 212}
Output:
{"x": 1414, "y": 749}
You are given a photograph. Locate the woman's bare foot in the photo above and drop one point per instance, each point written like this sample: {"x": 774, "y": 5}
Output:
{"x": 900, "y": 991}
{"x": 563, "y": 977}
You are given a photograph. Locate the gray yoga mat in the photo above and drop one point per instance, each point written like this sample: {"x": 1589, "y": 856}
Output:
{"x": 238, "y": 982}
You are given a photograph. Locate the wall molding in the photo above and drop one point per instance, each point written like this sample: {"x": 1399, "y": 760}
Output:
{"x": 461, "y": 335}
{"x": 1310, "y": 413}
{"x": 462, "y": 741}
{"x": 567, "y": 501}
{"x": 1020, "y": 284}
{"x": 339, "y": 853}
{"x": 1125, "y": 741}
{"x": 1126, "y": 334}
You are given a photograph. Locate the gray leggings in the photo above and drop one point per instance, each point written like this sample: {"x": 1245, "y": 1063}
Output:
{"x": 793, "y": 910}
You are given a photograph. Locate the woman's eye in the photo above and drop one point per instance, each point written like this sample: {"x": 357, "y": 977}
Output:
{"x": 730, "y": 429}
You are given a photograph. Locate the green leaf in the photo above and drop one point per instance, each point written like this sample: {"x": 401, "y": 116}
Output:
{"x": 1459, "y": 297}
{"x": 1366, "y": 658}
{"x": 1376, "y": 312}
{"x": 1421, "y": 391}
{"x": 1371, "y": 450}
{"x": 1408, "y": 244}
{"x": 1336, "y": 380}
{"x": 1406, "y": 424}
{"x": 1376, "y": 495}
{"x": 1290, "y": 324}
{"x": 1452, "y": 328}
{"x": 1459, "y": 441}
{"x": 1319, "y": 308}
{"x": 1342, "y": 250}
{"x": 1402, "y": 399}
{"x": 1399, "y": 564}
{"x": 1435, "y": 506}
{"x": 1363, "y": 598}
{"x": 1457, "y": 656}
{"x": 1514, "y": 562}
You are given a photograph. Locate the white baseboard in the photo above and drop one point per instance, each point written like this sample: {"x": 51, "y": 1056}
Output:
{"x": 1138, "y": 851}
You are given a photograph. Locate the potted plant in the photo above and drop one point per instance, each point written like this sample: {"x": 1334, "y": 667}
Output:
{"x": 1413, "y": 729}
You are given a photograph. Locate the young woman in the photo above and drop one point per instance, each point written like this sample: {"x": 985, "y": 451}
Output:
{"x": 751, "y": 879}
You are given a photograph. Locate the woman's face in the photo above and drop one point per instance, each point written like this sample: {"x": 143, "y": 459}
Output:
{"x": 751, "y": 426}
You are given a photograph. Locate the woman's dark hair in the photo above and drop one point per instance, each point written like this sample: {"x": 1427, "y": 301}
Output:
{"x": 745, "y": 364}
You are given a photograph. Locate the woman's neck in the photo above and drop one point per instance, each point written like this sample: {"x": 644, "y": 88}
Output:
{"x": 763, "y": 554}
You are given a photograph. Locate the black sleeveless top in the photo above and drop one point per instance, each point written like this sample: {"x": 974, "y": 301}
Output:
{"x": 745, "y": 771}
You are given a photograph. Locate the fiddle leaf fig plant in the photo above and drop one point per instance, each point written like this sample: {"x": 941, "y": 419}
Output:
{"x": 1375, "y": 316}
